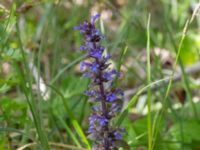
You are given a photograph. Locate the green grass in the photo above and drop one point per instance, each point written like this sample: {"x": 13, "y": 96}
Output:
{"x": 149, "y": 101}
{"x": 41, "y": 34}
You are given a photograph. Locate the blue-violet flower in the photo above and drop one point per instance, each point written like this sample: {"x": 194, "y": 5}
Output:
{"x": 106, "y": 98}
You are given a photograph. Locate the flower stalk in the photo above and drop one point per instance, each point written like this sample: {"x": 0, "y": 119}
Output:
{"x": 105, "y": 97}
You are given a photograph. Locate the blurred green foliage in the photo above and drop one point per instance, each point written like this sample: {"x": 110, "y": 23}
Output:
{"x": 38, "y": 45}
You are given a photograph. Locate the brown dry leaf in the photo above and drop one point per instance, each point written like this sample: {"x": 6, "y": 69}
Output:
{"x": 181, "y": 94}
{"x": 24, "y": 8}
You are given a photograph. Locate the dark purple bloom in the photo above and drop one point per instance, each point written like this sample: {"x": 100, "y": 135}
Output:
{"x": 83, "y": 48}
{"x": 87, "y": 75}
{"x": 96, "y": 53}
{"x": 103, "y": 121}
{"x": 118, "y": 135}
{"x": 94, "y": 18}
{"x": 109, "y": 75}
{"x": 115, "y": 108}
{"x": 93, "y": 119}
{"x": 107, "y": 98}
{"x": 84, "y": 65}
{"x": 94, "y": 67}
{"x": 91, "y": 129}
{"x": 111, "y": 97}
{"x": 90, "y": 93}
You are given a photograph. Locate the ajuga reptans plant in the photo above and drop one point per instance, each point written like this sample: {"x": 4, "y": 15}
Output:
{"x": 106, "y": 97}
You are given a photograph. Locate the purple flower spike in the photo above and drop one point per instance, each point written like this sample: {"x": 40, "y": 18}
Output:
{"x": 106, "y": 99}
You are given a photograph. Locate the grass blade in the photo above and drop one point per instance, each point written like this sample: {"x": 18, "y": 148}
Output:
{"x": 75, "y": 123}
{"x": 149, "y": 124}
{"x": 29, "y": 97}
{"x": 122, "y": 116}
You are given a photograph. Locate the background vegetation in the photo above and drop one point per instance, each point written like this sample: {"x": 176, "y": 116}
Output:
{"x": 41, "y": 100}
